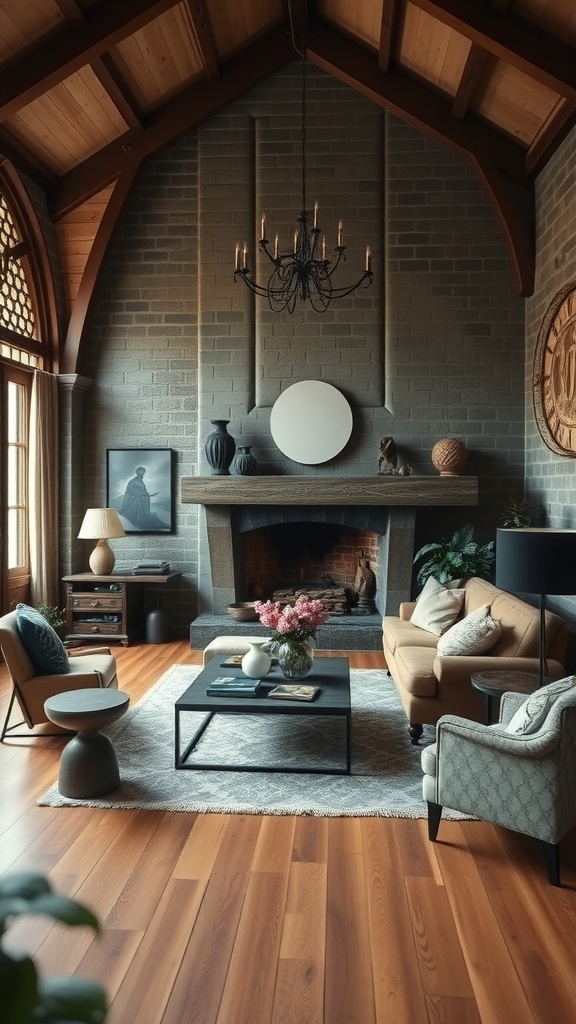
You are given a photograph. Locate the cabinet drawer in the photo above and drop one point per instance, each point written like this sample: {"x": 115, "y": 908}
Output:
{"x": 98, "y": 602}
{"x": 97, "y": 628}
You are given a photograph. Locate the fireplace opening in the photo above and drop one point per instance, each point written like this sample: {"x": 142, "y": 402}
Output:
{"x": 339, "y": 564}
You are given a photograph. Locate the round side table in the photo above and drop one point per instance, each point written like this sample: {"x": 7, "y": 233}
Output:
{"x": 88, "y": 763}
{"x": 495, "y": 683}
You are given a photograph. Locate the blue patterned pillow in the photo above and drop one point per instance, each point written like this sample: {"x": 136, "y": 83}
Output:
{"x": 42, "y": 643}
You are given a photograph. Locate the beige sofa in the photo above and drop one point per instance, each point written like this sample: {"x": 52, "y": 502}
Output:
{"x": 430, "y": 685}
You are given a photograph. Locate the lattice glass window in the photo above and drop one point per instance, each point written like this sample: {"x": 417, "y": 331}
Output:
{"x": 16, "y": 308}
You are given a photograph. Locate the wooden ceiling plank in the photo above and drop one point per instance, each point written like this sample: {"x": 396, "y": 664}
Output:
{"x": 181, "y": 115}
{"x": 111, "y": 80}
{"x": 42, "y": 67}
{"x": 512, "y": 39}
{"x": 204, "y": 37}
{"x": 98, "y": 251}
{"x": 388, "y": 30}
{"x": 556, "y": 127}
{"x": 472, "y": 74}
{"x": 498, "y": 162}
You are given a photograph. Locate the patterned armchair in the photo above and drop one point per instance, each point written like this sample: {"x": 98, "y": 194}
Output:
{"x": 523, "y": 779}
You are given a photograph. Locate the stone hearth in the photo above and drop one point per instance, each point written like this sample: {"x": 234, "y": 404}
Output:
{"x": 384, "y": 504}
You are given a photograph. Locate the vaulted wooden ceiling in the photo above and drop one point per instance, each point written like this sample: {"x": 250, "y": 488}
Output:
{"x": 90, "y": 89}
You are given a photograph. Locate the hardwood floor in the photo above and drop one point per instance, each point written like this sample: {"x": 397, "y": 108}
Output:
{"x": 240, "y": 919}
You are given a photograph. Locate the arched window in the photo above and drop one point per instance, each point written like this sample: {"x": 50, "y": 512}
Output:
{"x": 28, "y": 323}
{"x": 28, "y": 341}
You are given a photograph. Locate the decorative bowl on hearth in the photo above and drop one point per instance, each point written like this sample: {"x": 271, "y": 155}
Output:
{"x": 243, "y": 611}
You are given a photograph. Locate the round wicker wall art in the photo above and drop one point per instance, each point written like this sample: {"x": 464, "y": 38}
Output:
{"x": 554, "y": 374}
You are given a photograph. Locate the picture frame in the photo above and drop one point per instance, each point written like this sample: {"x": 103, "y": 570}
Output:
{"x": 139, "y": 485}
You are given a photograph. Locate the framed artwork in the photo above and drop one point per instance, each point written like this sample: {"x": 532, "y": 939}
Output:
{"x": 139, "y": 485}
{"x": 554, "y": 375}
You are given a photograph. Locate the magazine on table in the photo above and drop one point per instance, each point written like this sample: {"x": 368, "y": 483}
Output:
{"x": 232, "y": 686}
{"x": 294, "y": 691}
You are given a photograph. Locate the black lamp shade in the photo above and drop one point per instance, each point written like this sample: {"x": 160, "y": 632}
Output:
{"x": 536, "y": 560}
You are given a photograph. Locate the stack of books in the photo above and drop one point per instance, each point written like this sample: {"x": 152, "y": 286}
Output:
{"x": 233, "y": 686}
{"x": 151, "y": 569}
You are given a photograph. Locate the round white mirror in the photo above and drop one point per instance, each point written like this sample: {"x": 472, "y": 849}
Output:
{"x": 311, "y": 422}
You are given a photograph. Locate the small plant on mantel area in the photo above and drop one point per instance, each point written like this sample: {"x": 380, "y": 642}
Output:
{"x": 459, "y": 557}
{"x": 25, "y": 997}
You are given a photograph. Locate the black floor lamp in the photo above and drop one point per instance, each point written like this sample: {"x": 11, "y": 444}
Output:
{"x": 537, "y": 560}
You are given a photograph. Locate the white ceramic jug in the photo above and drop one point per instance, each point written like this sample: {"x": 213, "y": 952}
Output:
{"x": 256, "y": 662}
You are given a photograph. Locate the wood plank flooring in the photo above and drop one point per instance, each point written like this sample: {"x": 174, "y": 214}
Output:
{"x": 241, "y": 919}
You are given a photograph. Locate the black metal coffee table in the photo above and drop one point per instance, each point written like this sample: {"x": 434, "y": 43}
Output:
{"x": 332, "y": 675}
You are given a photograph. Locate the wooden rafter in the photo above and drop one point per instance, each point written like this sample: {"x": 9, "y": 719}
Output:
{"x": 182, "y": 114}
{"x": 204, "y": 37}
{"x": 388, "y": 28}
{"x": 471, "y": 76}
{"x": 40, "y": 68}
{"x": 512, "y": 39}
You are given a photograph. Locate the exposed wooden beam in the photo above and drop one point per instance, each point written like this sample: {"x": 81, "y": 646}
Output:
{"x": 499, "y": 162}
{"x": 553, "y": 131}
{"x": 181, "y": 115}
{"x": 471, "y": 75}
{"x": 116, "y": 88}
{"x": 388, "y": 28}
{"x": 122, "y": 190}
{"x": 512, "y": 39}
{"x": 43, "y": 66}
{"x": 204, "y": 37}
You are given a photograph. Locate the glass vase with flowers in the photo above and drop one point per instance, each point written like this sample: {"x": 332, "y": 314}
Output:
{"x": 293, "y": 628}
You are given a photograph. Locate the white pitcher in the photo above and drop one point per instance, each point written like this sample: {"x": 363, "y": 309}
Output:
{"x": 256, "y": 662}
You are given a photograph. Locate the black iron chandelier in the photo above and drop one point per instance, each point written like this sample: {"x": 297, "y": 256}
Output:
{"x": 303, "y": 272}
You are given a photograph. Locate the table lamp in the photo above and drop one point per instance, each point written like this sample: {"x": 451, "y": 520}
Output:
{"x": 537, "y": 560}
{"x": 100, "y": 524}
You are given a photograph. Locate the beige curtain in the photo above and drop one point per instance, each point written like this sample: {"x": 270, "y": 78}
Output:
{"x": 43, "y": 489}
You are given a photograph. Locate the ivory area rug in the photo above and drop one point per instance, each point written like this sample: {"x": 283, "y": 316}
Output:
{"x": 386, "y": 779}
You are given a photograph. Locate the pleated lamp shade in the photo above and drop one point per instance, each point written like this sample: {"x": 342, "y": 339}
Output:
{"x": 101, "y": 524}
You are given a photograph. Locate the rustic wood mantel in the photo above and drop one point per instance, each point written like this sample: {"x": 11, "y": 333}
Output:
{"x": 329, "y": 490}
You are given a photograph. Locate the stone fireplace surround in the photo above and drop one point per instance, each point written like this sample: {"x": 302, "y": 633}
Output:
{"x": 385, "y": 505}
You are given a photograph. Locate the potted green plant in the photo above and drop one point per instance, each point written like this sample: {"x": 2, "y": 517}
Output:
{"x": 24, "y": 996}
{"x": 458, "y": 557}
{"x": 518, "y": 513}
{"x": 54, "y": 615}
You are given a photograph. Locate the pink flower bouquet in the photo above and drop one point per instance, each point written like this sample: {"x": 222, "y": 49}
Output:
{"x": 297, "y": 622}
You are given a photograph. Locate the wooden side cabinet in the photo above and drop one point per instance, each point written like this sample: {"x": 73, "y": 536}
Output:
{"x": 107, "y": 607}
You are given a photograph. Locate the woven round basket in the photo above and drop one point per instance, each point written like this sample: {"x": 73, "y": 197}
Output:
{"x": 243, "y": 611}
{"x": 449, "y": 456}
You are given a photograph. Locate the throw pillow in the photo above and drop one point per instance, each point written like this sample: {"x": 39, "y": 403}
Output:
{"x": 437, "y": 607}
{"x": 475, "y": 634}
{"x": 534, "y": 711}
{"x": 42, "y": 643}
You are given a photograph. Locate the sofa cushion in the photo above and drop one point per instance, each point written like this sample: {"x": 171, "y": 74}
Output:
{"x": 532, "y": 714}
{"x": 399, "y": 633}
{"x": 475, "y": 634}
{"x": 437, "y": 607}
{"x": 520, "y": 627}
{"x": 41, "y": 643}
{"x": 415, "y": 666}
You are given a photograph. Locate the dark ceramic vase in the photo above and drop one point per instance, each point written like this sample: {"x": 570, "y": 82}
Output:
{"x": 219, "y": 448}
{"x": 245, "y": 463}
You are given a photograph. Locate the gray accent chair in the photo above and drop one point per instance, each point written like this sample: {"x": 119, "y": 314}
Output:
{"x": 95, "y": 667}
{"x": 523, "y": 782}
